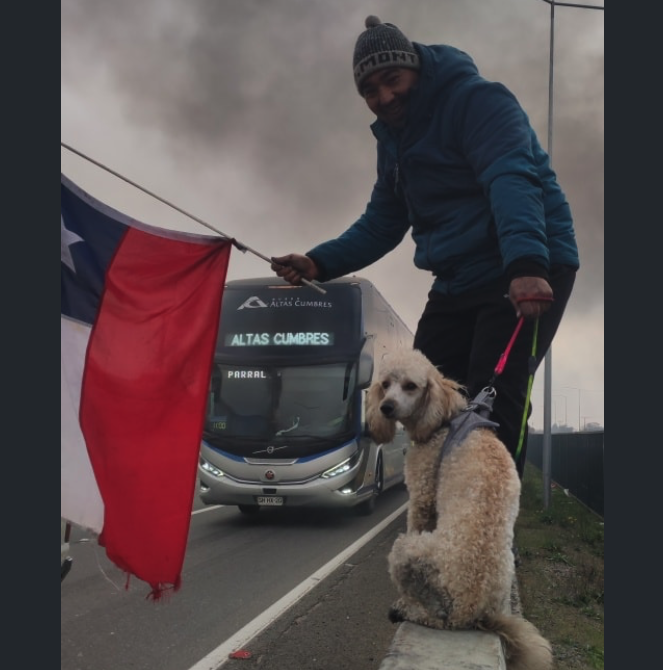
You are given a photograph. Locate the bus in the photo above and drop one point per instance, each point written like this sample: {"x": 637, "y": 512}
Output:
{"x": 285, "y": 423}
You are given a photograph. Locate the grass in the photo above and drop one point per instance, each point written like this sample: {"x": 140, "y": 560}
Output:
{"x": 561, "y": 576}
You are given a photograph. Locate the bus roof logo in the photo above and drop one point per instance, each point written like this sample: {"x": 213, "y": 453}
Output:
{"x": 253, "y": 302}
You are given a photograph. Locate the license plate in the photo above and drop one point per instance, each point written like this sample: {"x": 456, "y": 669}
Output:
{"x": 273, "y": 501}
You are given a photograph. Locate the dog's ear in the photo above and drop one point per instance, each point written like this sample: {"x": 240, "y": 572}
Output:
{"x": 456, "y": 399}
{"x": 382, "y": 430}
{"x": 442, "y": 403}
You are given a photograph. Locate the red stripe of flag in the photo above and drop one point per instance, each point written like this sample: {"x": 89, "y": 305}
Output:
{"x": 144, "y": 393}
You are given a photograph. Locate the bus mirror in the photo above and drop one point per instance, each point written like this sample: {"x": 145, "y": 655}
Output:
{"x": 365, "y": 432}
{"x": 365, "y": 371}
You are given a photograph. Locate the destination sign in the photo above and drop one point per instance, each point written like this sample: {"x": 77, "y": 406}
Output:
{"x": 305, "y": 339}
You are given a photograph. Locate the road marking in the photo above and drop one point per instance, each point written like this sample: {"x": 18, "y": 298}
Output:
{"x": 206, "y": 509}
{"x": 216, "y": 658}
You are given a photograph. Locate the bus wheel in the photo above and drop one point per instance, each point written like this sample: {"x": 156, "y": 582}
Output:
{"x": 368, "y": 506}
{"x": 249, "y": 509}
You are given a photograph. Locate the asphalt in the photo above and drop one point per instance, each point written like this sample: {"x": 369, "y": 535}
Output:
{"x": 343, "y": 624}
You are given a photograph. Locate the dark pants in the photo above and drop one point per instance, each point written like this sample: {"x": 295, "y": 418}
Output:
{"x": 465, "y": 336}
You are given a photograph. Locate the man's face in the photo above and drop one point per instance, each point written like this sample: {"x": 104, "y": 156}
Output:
{"x": 386, "y": 93}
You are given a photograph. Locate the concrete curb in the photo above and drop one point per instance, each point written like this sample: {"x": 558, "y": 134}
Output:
{"x": 416, "y": 647}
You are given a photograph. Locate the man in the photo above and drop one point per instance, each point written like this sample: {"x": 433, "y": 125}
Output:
{"x": 459, "y": 165}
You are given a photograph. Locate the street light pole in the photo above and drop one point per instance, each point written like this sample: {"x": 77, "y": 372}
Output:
{"x": 547, "y": 378}
{"x": 563, "y": 397}
{"x": 575, "y": 388}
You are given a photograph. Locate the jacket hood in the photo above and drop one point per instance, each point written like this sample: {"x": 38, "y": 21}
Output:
{"x": 443, "y": 68}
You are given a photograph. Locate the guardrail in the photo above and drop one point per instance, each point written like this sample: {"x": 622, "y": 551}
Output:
{"x": 576, "y": 464}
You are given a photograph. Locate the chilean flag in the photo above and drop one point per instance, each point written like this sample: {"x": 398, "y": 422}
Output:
{"x": 140, "y": 314}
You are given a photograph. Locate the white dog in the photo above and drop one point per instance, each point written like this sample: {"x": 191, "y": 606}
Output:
{"x": 454, "y": 567}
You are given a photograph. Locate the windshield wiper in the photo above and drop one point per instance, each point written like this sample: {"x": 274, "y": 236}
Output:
{"x": 287, "y": 430}
{"x": 216, "y": 439}
{"x": 334, "y": 440}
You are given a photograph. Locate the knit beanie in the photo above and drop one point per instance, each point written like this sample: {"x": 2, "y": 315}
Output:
{"x": 380, "y": 46}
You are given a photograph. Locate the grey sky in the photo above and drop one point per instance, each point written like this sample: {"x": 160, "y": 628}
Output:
{"x": 245, "y": 114}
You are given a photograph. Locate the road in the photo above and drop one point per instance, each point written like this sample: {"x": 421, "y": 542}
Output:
{"x": 263, "y": 583}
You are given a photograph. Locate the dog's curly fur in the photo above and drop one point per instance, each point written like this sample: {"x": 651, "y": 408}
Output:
{"x": 454, "y": 567}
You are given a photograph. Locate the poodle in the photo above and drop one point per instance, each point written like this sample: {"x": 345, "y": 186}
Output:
{"x": 454, "y": 567}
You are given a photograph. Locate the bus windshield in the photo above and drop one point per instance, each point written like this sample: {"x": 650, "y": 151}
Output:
{"x": 280, "y": 403}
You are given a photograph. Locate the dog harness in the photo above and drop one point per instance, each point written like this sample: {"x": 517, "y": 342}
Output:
{"x": 475, "y": 415}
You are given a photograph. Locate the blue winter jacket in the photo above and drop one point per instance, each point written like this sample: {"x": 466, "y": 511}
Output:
{"x": 468, "y": 176}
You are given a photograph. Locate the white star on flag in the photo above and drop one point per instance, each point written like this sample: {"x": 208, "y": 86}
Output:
{"x": 67, "y": 238}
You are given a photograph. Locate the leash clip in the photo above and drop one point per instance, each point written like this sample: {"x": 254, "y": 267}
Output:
{"x": 483, "y": 402}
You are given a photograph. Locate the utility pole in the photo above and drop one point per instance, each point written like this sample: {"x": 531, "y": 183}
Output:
{"x": 575, "y": 388}
{"x": 547, "y": 380}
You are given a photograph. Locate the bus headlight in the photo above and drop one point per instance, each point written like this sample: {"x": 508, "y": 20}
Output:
{"x": 211, "y": 469}
{"x": 339, "y": 469}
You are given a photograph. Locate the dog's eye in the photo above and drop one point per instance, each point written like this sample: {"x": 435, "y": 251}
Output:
{"x": 410, "y": 386}
{"x": 385, "y": 384}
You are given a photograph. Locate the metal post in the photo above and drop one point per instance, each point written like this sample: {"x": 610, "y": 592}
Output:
{"x": 575, "y": 388}
{"x": 547, "y": 432}
{"x": 547, "y": 380}
{"x": 563, "y": 397}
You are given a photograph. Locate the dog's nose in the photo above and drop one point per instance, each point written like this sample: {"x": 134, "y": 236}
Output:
{"x": 387, "y": 408}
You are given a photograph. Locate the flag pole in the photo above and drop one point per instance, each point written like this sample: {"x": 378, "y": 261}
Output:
{"x": 242, "y": 247}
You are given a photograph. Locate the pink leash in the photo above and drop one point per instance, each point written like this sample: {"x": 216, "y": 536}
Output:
{"x": 503, "y": 358}
{"x": 500, "y": 367}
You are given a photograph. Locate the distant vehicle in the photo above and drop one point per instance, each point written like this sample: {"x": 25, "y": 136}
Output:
{"x": 285, "y": 424}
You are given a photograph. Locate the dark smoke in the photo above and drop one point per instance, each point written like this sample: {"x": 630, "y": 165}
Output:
{"x": 263, "y": 90}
